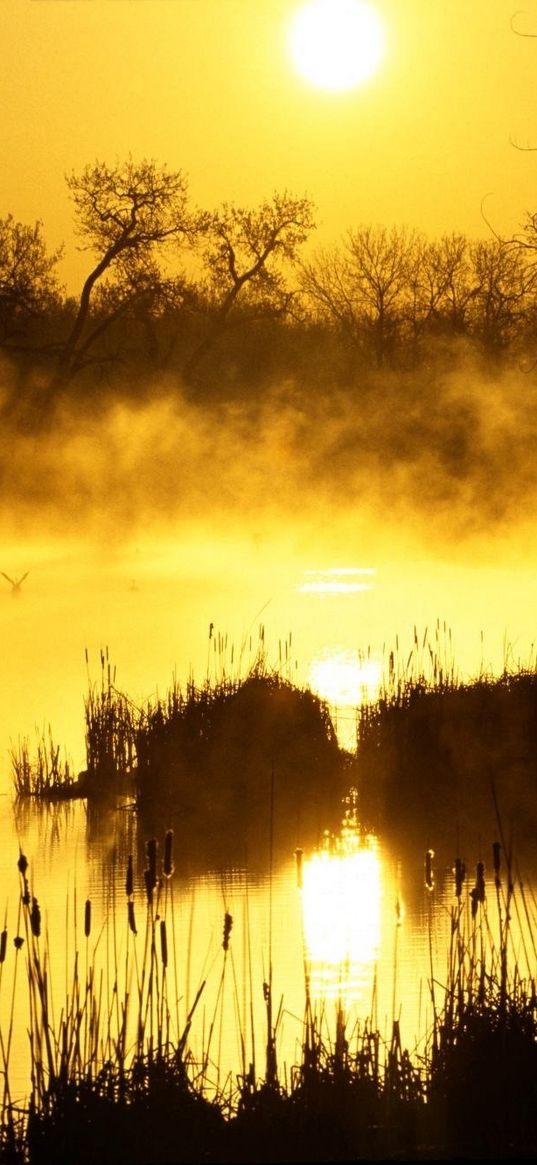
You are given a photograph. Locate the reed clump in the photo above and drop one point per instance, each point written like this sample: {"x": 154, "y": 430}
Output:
{"x": 47, "y": 775}
{"x": 111, "y": 721}
{"x": 432, "y": 748}
{"x": 213, "y": 748}
{"x": 209, "y": 750}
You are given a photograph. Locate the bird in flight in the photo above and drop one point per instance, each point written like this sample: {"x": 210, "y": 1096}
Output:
{"x": 15, "y": 583}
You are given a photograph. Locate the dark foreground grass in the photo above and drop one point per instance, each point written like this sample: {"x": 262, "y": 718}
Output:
{"x": 112, "y": 1078}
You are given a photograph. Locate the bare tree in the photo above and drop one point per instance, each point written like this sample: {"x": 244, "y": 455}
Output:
{"x": 28, "y": 282}
{"x": 380, "y": 263}
{"x": 125, "y": 214}
{"x": 325, "y": 283}
{"x": 503, "y": 283}
{"x": 247, "y": 255}
{"x": 444, "y": 284}
{"x": 366, "y": 287}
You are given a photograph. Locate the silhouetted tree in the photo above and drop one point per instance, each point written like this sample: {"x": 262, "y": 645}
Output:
{"x": 380, "y": 263}
{"x": 503, "y": 282}
{"x": 445, "y": 287}
{"x": 139, "y": 296}
{"x": 29, "y": 285}
{"x": 248, "y": 254}
{"x": 367, "y": 287}
{"x": 125, "y": 214}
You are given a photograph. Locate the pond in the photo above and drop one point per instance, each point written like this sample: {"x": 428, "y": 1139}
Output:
{"x": 353, "y": 930}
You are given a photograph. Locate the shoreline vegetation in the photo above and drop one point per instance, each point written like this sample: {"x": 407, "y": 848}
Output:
{"x": 112, "y": 1076}
{"x": 431, "y": 748}
{"x": 113, "y": 1079}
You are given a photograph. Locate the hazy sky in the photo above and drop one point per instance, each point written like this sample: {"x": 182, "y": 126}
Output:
{"x": 208, "y": 87}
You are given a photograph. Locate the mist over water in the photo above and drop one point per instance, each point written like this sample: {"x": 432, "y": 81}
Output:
{"x": 142, "y": 524}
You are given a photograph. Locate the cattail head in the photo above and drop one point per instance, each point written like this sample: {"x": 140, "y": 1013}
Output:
{"x": 132, "y": 920}
{"x": 228, "y": 923}
{"x": 460, "y": 875}
{"x": 87, "y": 918}
{"x": 18, "y": 942}
{"x": 129, "y": 883}
{"x": 163, "y": 943}
{"x": 299, "y": 873}
{"x": 35, "y": 918}
{"x": 3, "y": 945}
{"x": 429, "y": 876}
{"x": 22, "y": 864}
{"x": 480, "y": 882}
{"x": 167, "y": 865}
{"x": 474, "y": 901}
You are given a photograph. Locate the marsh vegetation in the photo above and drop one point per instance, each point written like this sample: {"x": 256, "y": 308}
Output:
{"x": 112, "y": 1071}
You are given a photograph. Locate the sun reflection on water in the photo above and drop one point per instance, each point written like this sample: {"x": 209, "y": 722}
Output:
{"x": 341, "y": 908}
{"x": 346, "y": 580}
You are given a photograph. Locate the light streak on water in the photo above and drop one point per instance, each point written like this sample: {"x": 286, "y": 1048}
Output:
{"x": 344, "y": 580}
{"x": 341, "y": 904}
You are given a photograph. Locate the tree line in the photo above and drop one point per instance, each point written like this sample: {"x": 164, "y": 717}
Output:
{"x": 225, "y": 294}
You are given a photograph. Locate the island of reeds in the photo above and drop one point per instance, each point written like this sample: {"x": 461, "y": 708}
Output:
{"x": 437, "y": 757}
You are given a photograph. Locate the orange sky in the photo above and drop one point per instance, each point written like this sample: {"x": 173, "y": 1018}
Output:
{"x": 207, "y": 86}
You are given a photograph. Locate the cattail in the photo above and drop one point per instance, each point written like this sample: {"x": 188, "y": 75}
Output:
{"x": 473, "y": 898}
{"x": 167, "y": 866}
{"x": 399, "y": 911}
{"x": 87, "y": 918}
{"x": 228, "y": 923}
{"x": 132, "y": 920}
{"x": 3, "y": 945}
{"x": 299, "y": 875}
{"x": 129, "y": 883}
{"x": 163, "y": 943}
{"x": 496, "y": 862}
{"x": 460, "y": 875}
{"x": 480, "y": 882}
{"x": 18, "y": 941}
{"x": 22, "y": 863}
{"x": 429, "y": 877}
{"x": 35, "y": 918}
{"x": 26, "y": 892}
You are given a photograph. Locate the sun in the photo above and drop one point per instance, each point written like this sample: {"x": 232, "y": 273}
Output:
{"x": 336, "y": 44}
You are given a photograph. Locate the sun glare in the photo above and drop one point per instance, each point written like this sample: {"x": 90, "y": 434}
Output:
{"x": 342, "y": 678}
{"x": 337, "y": 44}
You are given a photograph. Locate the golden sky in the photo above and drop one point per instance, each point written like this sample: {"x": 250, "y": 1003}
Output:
{"x": 207, "y": 86}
